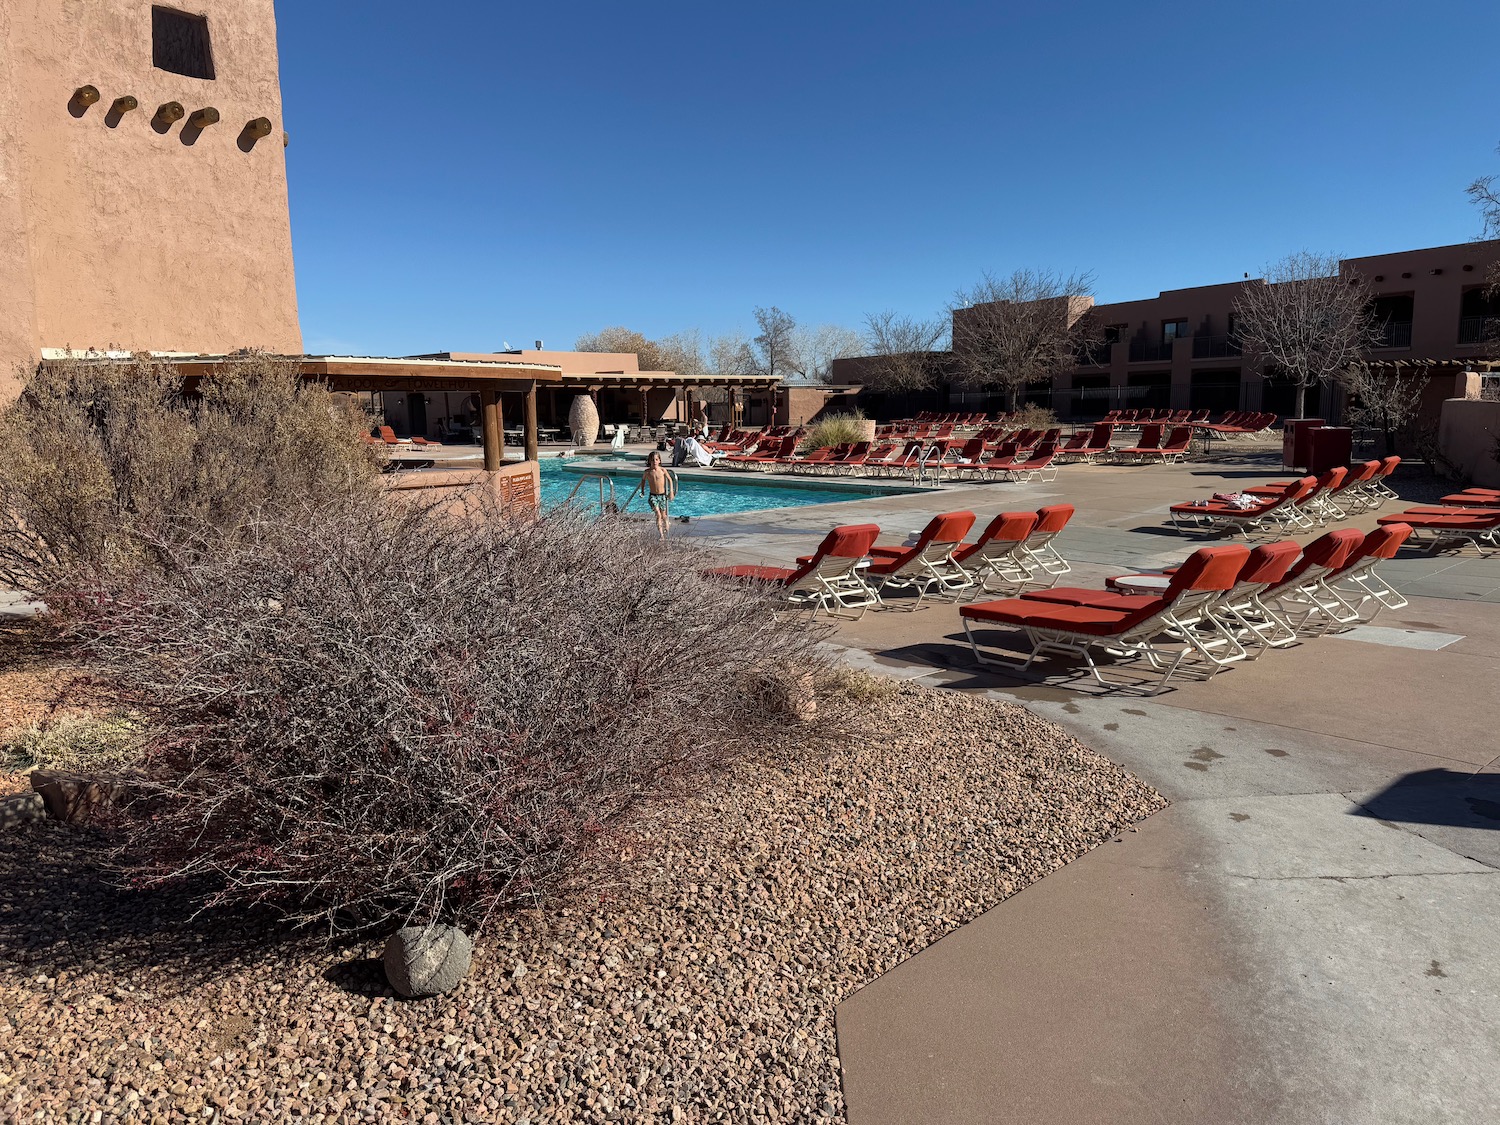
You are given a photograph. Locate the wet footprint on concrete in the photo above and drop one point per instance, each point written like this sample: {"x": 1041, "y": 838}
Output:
{"x": 1111, "y": 726}
{"x": 1239, "y": 817}
{"x": 1201, "y": 758}
{"x": 1277, "y": 753}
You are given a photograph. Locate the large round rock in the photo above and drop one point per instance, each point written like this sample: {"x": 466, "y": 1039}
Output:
{"x": 427, "y": 960}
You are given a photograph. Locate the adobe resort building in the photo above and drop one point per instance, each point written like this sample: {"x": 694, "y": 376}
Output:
{"x": 143, "y": 208}
{"x": 1178, "y": 349}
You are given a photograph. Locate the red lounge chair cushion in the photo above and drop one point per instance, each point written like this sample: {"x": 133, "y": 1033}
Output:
{"x": 777, "y": 574}
{"x": 1460, "y": 522}
{"x": 1471, "y": 500}
{"x": 1093, "y": 599}
{"x": 1044, "y": 615}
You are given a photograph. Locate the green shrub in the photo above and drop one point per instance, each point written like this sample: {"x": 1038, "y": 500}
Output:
{"x": 840, "y": 429}
{"x": 90, "y": 746}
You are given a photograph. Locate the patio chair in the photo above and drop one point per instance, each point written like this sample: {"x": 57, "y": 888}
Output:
{"x": 1268, "y": 513}
{"x": 994, "y": 559}
{"x": 1164, "y": 631}
{"x": 1040, "y": 549}
{"x": 1037, "y": 466}
{"x": 1301, "y": 603}
{"x": 1148, "y": 443}
{"x": 927, "y": 566}
{"x": 829, "y": 579}
{"x": 1475, "y": 527}
{"x": 388, "y": 436}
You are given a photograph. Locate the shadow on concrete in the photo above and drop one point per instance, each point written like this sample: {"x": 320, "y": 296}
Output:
{"x": 1441, "y": 797}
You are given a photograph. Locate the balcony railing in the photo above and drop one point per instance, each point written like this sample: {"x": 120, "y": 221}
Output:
{"x": 1149, "y": 351}
{"x": 1479, "y": 330}
{"x": 1395, "y": 334}
{"x": 1096, "y": 355}
{"x": 1215, "y": 347}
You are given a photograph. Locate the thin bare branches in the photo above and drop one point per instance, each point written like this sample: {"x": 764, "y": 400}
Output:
{"x": 1310, "y": 322}
{"x": 1025, "y": 327}
{"x": 900, "y": 352}
{"x": 374, "y": 713}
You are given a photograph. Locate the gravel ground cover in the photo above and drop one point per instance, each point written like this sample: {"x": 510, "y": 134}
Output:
{"x": 700, "y": 987}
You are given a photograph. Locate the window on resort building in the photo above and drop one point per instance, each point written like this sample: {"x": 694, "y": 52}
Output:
{"x": 1173, "y": 330}
{"x": 179, "y": 43}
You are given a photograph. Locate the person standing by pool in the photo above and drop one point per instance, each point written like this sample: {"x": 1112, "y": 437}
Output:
{"x": 660, "y": 490}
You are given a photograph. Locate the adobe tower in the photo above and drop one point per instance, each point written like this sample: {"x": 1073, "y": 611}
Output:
{"x": 143, "y": 197}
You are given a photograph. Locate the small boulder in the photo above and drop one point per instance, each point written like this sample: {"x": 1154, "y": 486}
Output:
{"x": 20, "y": 808}
{"x": 70, "y": 799}
{"x": 427, "y": 960}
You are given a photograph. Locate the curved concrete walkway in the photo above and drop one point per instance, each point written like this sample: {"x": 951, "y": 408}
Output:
{"x": 1310, "y": 933}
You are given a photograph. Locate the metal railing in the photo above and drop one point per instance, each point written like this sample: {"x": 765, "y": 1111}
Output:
{"x": 1479, "y": 329}
{"x": 1149, "y": 351}
{"x": 1216, "y": 347}
{"x": 1395, "y": 334}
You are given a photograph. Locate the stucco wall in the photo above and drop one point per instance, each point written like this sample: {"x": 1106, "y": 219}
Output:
{"x": 1468, "y": 437}
{"x": 130, "y": 237}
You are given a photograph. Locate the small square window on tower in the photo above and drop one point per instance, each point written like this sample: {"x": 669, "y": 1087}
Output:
{"x": 179, "y": 43}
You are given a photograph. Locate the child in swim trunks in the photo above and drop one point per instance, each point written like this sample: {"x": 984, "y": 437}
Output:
{"x": 659, "y": 490}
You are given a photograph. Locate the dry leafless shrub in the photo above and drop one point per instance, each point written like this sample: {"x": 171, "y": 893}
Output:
{"x": 110, "y": 463}
{"x": 376, "y": 713}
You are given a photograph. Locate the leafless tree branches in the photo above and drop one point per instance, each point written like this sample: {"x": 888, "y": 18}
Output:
{"x": 1310, "y": 322}
{"x": 899, "y": 351}
{"x": 1022, "y": 328}
{"x": 373, "y": 713}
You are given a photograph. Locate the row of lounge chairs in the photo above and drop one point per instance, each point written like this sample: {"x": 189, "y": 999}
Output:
{"x": 1233, "y": 423}
{"x": 1468, "y": 518}
{"x": 1291, "y": 506}
{"x": 850, "y": 571}
{"x": 1222, "y": 605}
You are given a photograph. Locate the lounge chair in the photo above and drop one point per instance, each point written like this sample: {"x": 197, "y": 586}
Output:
{"x": 995, "y": 559}
{"x": 1040, "y": 552}
{"x": 1036, "y": 466}
{"x": 1475, "y": 527}
{"x": 388, "y": 436}
{"x": 927, "y": 566}
{"x": 1164, "y": 631}
{"x": 1149, "y": 443}
{"x": 829, "y": 579}
{"x": 1268, "y": 513}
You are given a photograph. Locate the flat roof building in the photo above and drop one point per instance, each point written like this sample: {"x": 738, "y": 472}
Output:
{"x": 143, "y": 190}
{"x": 1178, "y": 349}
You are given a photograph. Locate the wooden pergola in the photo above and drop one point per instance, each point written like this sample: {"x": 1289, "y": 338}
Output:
{"x": 488, "y": 380}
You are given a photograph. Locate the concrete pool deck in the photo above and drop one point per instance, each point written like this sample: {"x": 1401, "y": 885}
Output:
{"x": 1310, "y": 933}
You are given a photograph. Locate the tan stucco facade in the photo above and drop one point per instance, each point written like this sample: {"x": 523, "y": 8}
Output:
{"x": 121, "y": 231}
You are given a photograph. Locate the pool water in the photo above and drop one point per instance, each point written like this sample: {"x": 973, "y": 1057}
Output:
{"x": 695, "y": 498}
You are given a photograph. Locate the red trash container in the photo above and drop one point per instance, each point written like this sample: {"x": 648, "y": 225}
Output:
{"x": 1329, "y": 446}
{"x": 1296, "y": 448}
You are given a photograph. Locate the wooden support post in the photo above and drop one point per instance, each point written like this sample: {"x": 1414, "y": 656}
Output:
{"x": 645, "y": 407}
{"x": 531, "y": 427}
{"x": 493, "y": 422}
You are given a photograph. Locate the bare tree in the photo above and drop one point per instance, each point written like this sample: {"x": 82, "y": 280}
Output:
{"x": 682, "y": 352}
{"x": 1484, "y": 193}
{"x": 618, "y": 338}
{"x": 1023, "y": 328}
{"x": 1310, "y": 320}
{"x": 815, "y": 349}
{"x": 1382, "y": 398}
{"x": 731, "y": 356}
{"x": 776, "y": 342}
{"x": 900, "y": 351}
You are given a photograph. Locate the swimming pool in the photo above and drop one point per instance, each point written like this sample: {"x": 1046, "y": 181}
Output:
{"x": 696, "y": 497}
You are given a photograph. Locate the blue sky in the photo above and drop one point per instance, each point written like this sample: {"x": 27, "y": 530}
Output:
{"x": 467, "y": 173}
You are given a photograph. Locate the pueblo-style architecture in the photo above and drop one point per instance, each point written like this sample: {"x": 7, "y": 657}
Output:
{"x": 143, "y": 208}
{"x": 143, "y": 192}
{"x": 1439, "y": 318}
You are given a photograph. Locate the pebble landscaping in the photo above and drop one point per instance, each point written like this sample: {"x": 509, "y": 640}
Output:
{"x": 699, "y": 986}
